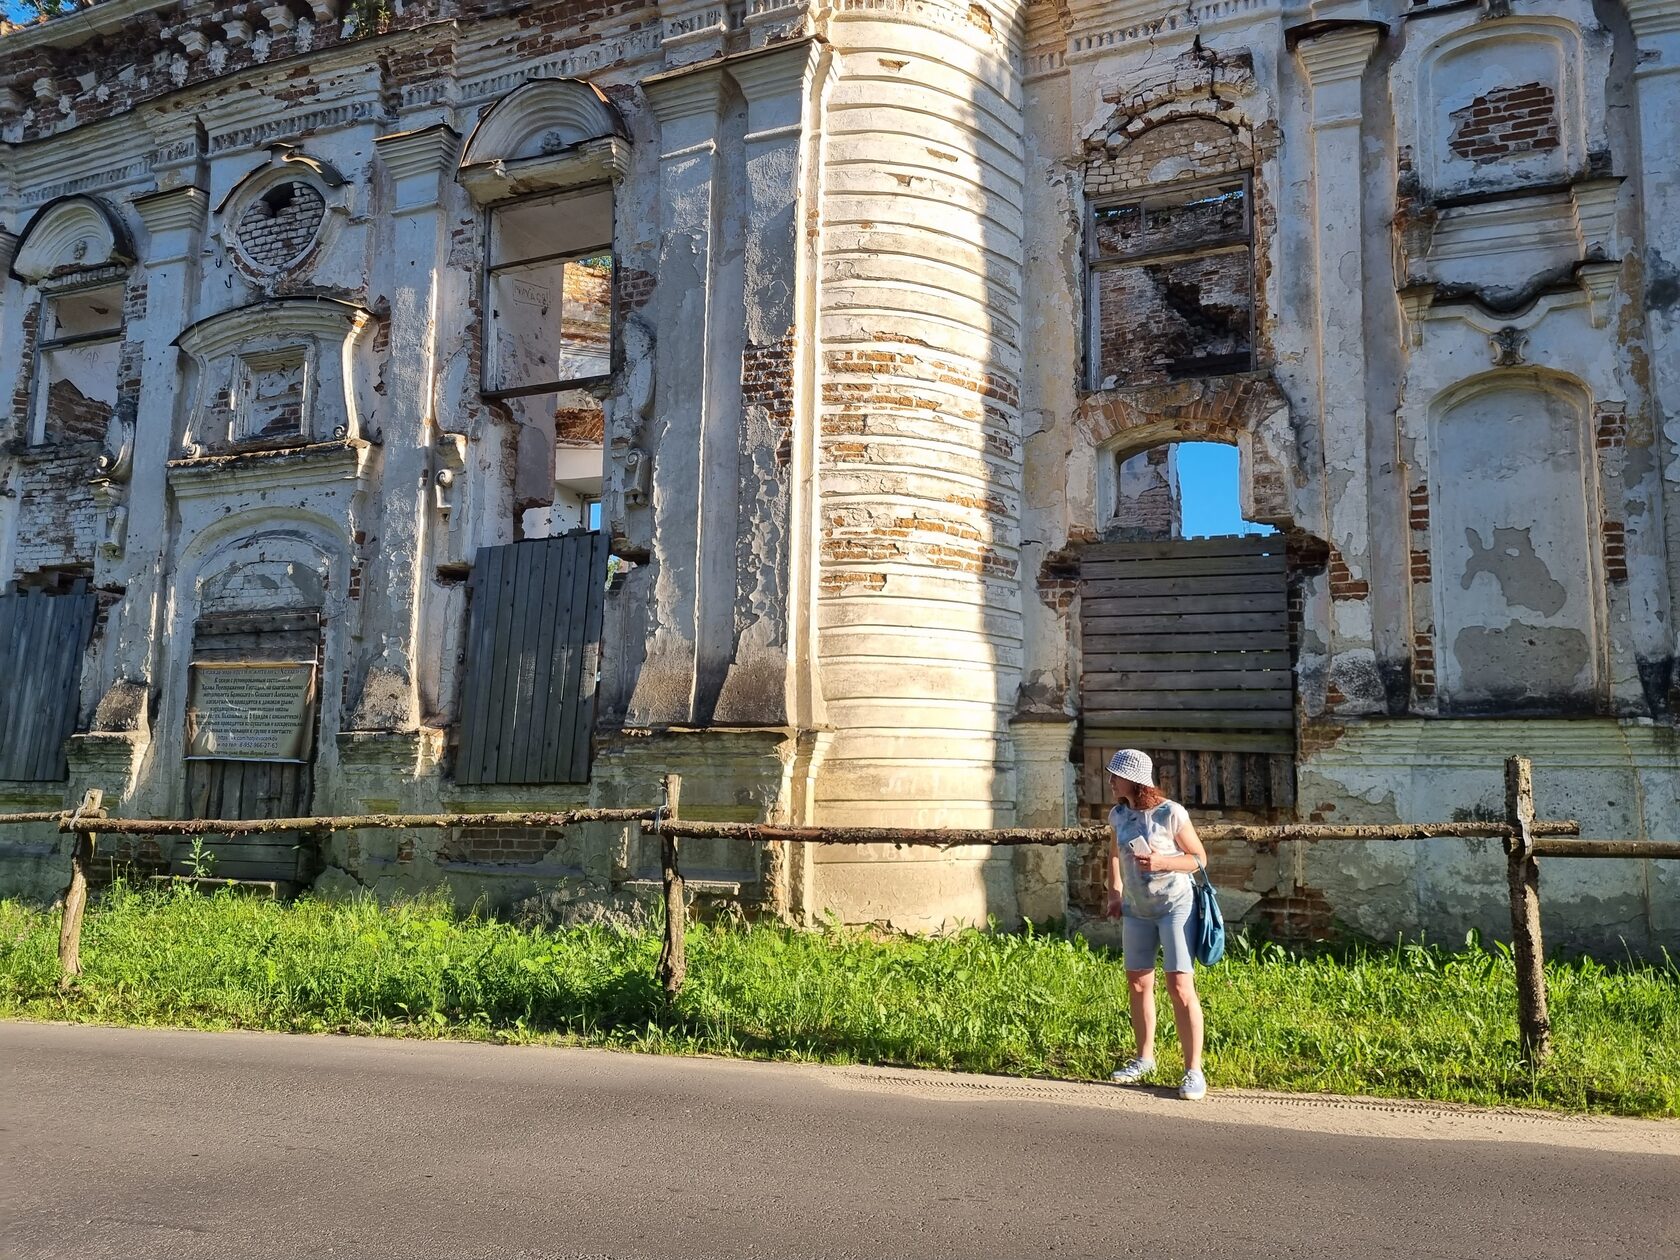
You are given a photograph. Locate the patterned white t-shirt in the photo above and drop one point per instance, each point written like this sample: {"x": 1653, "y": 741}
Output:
{"x": 1150, "y": 896}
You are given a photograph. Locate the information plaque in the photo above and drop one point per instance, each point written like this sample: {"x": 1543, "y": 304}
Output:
{"x": 251, "y": 710}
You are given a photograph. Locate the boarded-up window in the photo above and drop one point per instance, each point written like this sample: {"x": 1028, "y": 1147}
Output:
{"x": 1172, "y": 286}
{"x": 76, "y": 390}
{"x": 251, "y": 718}
{"x": 42, "y": 638}
{"x": 533, "y": 652}
{"x": 1185, "y": 648}
{"x": 550, "y": 282}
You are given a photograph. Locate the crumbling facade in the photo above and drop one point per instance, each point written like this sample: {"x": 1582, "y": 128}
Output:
{"x": 859, "y": 337}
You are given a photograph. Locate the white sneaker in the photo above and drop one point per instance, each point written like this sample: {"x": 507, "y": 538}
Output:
{"x": 1133, "y": 1071}
{"x": 1193, "y": 1088}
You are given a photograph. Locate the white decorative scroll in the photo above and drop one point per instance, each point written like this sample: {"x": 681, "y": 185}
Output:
{"x": 251, "y": 710}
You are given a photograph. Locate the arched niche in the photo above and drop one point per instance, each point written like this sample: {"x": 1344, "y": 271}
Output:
{"x": 68, "y": 235}
{"x": 1513, "y": 519}
{"x": 544, "y": 136}
{"x": 1500, "y": 105}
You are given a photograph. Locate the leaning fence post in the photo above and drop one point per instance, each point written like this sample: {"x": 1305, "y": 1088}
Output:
{"x": 673, "y": 961}
{"x": 75, "y": 896}
{"x": 1533, "y": 1022}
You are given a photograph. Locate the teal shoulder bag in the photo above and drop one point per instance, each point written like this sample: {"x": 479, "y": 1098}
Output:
{"x": 1208, "y": 932}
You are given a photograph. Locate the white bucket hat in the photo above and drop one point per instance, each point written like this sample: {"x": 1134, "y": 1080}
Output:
{"x": 1133, "y": 766}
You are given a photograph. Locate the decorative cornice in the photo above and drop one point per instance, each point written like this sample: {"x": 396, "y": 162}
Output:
{"x": 278, "y": 128}
{"x": 1336, "y": 54}
{"x": 680, "y": 94}
{"x": 424, "y": 152}
{"x": 599, "y": 161}
{"x": 8, "y": 249}
{"x": 302, "y": 317}
{"x": 776, "y": 71}
{"x": 417, "y": 161}
{"x": 113, "y": 18}
{"x": 1651, "y": 18}
{"x": 173, "y": 210}
{"x": 320, "y": 464}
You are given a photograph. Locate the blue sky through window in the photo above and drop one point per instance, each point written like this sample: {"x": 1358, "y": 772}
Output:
{"x": 1207, "y": 485}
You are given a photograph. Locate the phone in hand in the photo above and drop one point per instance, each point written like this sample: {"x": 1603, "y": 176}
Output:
{"x": 1139, "y": 846}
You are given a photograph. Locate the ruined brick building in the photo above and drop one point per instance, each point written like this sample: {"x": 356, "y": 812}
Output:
{"x": 449, "y": 405}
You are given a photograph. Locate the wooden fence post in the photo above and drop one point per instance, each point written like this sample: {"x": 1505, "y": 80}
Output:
{"x": 673, "y": 960}
{"x": 1533, "y": 1022}
{"x": 75, "y": 896}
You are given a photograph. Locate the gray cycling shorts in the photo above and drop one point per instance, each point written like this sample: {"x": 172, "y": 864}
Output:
{"x": 1140, "y": 938}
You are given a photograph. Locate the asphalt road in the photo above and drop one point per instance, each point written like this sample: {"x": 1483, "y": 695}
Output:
{"x": 126, "y": 1143}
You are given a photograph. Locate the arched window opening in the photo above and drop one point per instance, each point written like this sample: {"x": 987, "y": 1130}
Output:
{"x": 1179, "y": 490}
{"x": 543, "y": 163}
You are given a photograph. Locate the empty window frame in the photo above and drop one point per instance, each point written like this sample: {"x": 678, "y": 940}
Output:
{"x": 549, "y": 291}
{"x": 270, "y": 400}
{"x": 1171, "y": 285}
{"x": 78, "y": 364}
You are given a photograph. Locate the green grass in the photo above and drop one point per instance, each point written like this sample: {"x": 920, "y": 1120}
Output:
{"x": 1405, "y": 1021}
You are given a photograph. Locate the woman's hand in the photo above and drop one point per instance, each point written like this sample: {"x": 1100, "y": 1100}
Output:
{"x": 1159, "y": 863}
{"x": 1112, "y": 909}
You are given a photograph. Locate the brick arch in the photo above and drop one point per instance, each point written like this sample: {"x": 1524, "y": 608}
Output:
{"x": 1249, "y": 412}
{"x": 1206, "y": 410}
{"x": 1199, "y": 83}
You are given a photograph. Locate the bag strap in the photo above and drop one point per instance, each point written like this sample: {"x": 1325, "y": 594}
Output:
{"x": 1206, "y": 882}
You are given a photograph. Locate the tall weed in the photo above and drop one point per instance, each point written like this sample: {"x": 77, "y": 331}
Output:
{"x": 1407, "y": 1020}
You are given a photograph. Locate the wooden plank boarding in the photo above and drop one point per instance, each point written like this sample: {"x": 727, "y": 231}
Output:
{"x": 1187, "y": 548}
{"x": 43, "y": 636}
{"x": 1185, "y": 654}
{"x": 532, "y": 649}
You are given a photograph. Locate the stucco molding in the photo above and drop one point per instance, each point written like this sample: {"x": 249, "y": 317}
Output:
{"x": 320, "y": 464}
{"x": 416, "y": 162}
{"x": 1654, "y": 18}
{"x": 70, "y": 234}
{"x": 321, "y": 334}
{"x": 1334, "y": 60}
{"x": 172, "y": 210}
{"x": 547, "y": 135}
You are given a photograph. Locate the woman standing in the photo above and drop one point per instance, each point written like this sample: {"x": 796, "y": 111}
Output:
{"x": 1155, "y": 850}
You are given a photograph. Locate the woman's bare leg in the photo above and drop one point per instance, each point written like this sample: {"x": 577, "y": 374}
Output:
{"x": 1141, "y": 985}
{"x": 1187, "y": 1016}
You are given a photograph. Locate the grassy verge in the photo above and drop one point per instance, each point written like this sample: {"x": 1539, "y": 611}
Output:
{"x": 1407, "y": 1021}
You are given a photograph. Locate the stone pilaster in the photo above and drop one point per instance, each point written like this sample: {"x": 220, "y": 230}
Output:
{"x": 1334, "y": 61}
{"x": 136, "y": 486}
{"x": 10, "y": 352}
{"x": 1656, "y": 77}
{"x": 770, "y": 678}
{"x": 695, "y": 463}
{"x": 1045, "y": 792}
{"x": 420, "y": 166}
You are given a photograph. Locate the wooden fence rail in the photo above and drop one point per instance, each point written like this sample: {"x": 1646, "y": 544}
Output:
{"x": 1525, "y": 840}
{"x": 346, "y": 822}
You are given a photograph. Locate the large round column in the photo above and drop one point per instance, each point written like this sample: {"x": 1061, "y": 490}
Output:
{"x": 920, "y": 463}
